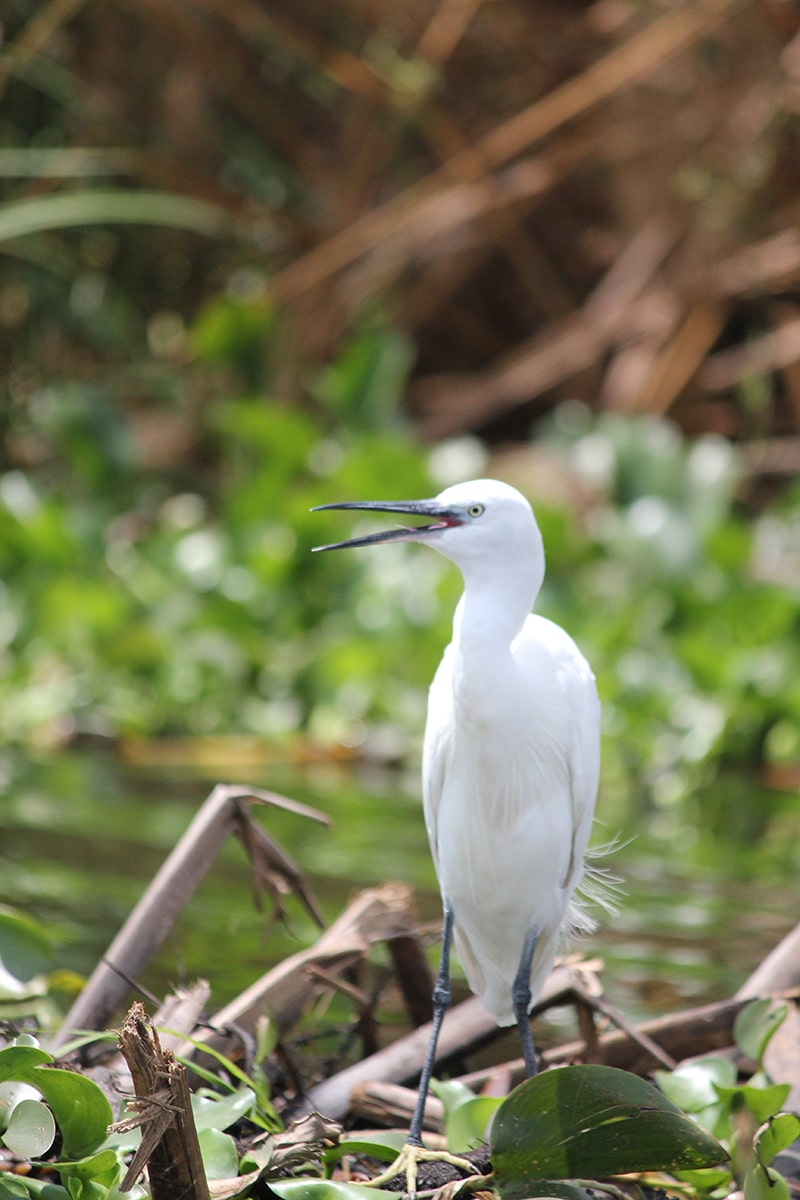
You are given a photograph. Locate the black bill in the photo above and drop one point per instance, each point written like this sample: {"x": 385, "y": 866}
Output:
{"x": 438, "y": 518}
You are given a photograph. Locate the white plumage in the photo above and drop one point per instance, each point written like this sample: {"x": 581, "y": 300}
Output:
{"x": 511, "y": 755}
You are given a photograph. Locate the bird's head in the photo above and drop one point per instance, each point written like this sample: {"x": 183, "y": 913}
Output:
{"x": 482, "y": 524}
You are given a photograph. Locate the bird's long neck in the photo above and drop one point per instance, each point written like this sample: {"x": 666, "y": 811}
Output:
{"x": 493, "y": 610}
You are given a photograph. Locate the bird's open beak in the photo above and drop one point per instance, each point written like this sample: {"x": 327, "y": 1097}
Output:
{"x": 437, "y": 516}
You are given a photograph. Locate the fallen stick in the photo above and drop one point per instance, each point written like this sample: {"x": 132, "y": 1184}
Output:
{"x": 223, "y": 813}
{"x": 779, "y": 971}
{"x": 679, "y": 1035}
{"x": 390, "y": 1105}
{"x": 282, "y": 994}
{"x": 465, "y": 1027}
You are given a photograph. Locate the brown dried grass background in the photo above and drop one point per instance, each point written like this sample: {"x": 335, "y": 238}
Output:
{"x": 554, "y": 198}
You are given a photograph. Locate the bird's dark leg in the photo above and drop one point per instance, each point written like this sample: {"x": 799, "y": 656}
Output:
{"x": 441, "y": 1003}
{"x": 414, "y": 1152}
{"x": 521, "y": 997}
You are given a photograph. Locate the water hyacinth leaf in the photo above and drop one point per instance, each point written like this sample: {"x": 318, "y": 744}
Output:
{"x": 777, "y": 1134}
{"x": 468, "y": 1126}
{"x": 692, "y": 1087}
{"x": 325, "y": 1189}
{"x": 11, "y": 1093}
{"x": 762, "y": 1102}
{"x": 706, "y": 1179}
{"x": 589, "y": 1122}
{"x": 451, "y": 1093}
{"x": 18, "y": 1187}
{"x": 755, "y": 1025}
{"x": 91, "y": 1178}
{"x": 216, "y": 1113}
{"x": 467, "y": 1116}
{"x": 218, "y": 1151}
{"x": 383, "y": 1146}
{"x": 25, "y": 950}
{"x": 31, "y": 1129}
{"x": 21, "y": 1058}
{"x": 81, "y": 1110}
{"x": 556, "y": 1189}
{"x": 762, "y": 1183}
{"x": 14, "y": 1188}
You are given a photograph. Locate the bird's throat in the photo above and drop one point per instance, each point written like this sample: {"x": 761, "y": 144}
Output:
{"x": 490, "y": 614}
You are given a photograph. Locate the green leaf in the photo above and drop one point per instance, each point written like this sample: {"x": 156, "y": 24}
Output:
{"x": 61, "y": 210}
{"x": 325, "y": 1189}
{"x": 778, "y": 1133}
{"x": 21, "y": 1058}
{"x": 31, "y": 1129}
{"x": 383, "y": 1146}
{"x": 25, "y": 950}
{"x": 755, "y": 1025}
{"x": 219, "y": 1155}
{"x": 762, "y": 1102}
{"x": 467, "y": 1116}
{"x": 468, "y": 1125}
{"x": 11, "y": 1093}
{"x": 590, "y": 1122}
{"x": 81, "y": 1110}
{"x": 222, "y": 1112}
{"x": 762, "y": 1183}
{"x": 91, "y": 1178}
{"x": 692, "y": 1087}
{"x": 706, "y": 1179}
{"x": 13, "y": 1188}
{"x": 558, "y": 1189}
{"x": 451, "y": 1093}
{"x": 27, "y": 1186}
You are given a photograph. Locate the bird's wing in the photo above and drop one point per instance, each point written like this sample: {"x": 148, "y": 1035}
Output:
{"x": 584, "y": 763}
{"x": 436, "y": 750}
{"x": 578, "y": 700}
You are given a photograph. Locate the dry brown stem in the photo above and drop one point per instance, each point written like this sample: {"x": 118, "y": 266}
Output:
{"x": 169, "y": 1147}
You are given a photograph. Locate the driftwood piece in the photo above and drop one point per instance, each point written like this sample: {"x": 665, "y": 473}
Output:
{"x": 680, "y": 1035}
{"x": 224, "y": 812}
{"x": 179, "y": 1013}
{"x": 390, "y": 1104}
{"x": 169, "y": 1146}
{"x": 465, "y": 1027}
{"x": 377, "y": 914}
{"x": 779, "y": 971}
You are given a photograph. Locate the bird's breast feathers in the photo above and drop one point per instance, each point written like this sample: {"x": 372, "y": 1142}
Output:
{"x": 511, "y": 746}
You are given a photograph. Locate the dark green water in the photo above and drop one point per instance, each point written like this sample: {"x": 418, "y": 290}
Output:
{"x": 82, "y": 836}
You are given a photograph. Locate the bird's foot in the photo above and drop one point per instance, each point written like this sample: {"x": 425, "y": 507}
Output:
{"x": 408, "y": 1161}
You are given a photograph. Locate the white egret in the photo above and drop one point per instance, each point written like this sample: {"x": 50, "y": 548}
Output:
{"x": 511, "y": 758}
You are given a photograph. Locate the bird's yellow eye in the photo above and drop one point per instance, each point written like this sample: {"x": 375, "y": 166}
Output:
{"x": 475, "y": 510}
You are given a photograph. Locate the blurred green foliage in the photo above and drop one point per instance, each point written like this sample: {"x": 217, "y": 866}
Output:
{"x": 143, "y": 597}
{"x": 687, "y": 609}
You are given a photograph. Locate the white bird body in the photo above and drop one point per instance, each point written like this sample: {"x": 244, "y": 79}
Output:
{"x": 509, "y": 784}
{"x": 511, "y": 757}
